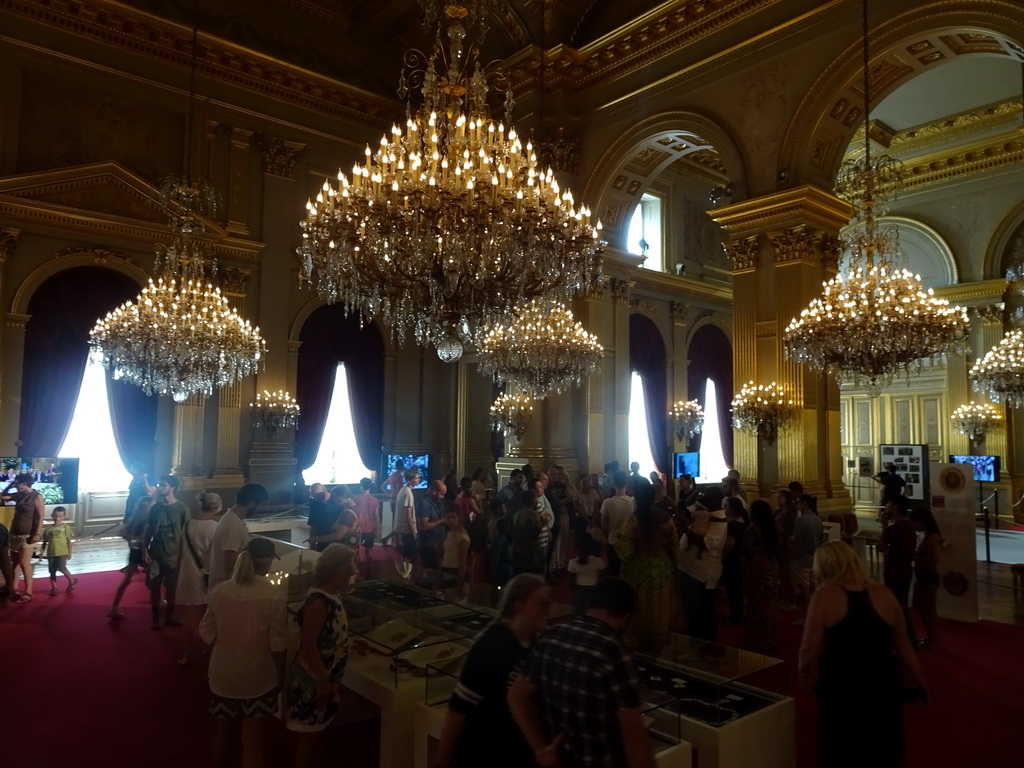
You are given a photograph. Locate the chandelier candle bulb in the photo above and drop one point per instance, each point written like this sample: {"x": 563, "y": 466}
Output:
{"x": 762, "y": 411}
{"x": 687, "y": 418}
{"x": 976, "y": 419}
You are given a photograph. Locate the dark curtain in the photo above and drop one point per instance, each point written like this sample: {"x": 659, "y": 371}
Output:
{"x": 710, "y": 356}
{"x": 647, "y": 358}
{"x": 63, "y": 311}
{"x": 133, "y": 415}
{"x": 328, "y": 338}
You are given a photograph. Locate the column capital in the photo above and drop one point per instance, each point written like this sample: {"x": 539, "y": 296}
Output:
{"x": 808, "y": 205}
{"x": 680, "y": 312}
{"x": 278, "y": 155}
{"x": 743, "y": 253}
{"x": 233, "y": 280}
{"x": 621, "y": 290}
{"x": 805, "y": 243}
{"x": 8, "y": 240}
{"x": 241, "y": 137}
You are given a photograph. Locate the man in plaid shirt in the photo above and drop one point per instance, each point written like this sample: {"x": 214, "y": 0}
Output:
{"x": 577, "y": 698}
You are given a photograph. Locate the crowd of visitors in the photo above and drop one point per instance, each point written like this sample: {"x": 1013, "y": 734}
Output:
{"x": 640, "y": 556}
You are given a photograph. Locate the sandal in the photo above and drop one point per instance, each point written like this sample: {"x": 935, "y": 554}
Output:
{"x": 54, "y": 592}
{"x": 24, "y": 597}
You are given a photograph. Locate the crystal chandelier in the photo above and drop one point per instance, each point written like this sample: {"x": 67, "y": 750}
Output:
{"x": 1000, "y": 373}
{"x": 687, "y": 419}
{"x": 275, "y": 411}
{"x": 180, "y": 336}
{"x": 449, "y": 225}
{"x": 873, "y": 321}
{"x": 975, "y": 419}
{"x": 762, "y": 411}
{"x": 543, "y": 350}
{"x": 511, "y": 414}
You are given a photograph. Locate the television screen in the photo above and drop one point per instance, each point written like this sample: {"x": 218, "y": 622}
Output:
{"x": 420, "y": 462}
{"x": 55, "y": 478}
{"x": 687, "y": 464}
{"x": 986, "y": 468}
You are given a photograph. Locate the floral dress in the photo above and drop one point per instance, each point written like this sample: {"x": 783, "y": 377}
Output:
{"x": 303, "y": 712}
{"x": 761, "y": 587}
{"x": 650, "y": 568}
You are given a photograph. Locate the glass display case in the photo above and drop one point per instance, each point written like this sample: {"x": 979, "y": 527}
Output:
{"x": 711, "y": 682}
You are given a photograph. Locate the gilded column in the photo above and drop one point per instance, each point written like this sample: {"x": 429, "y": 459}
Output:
{"x": 783, "y": 247}
{"x": 189, "y": 424}
{"x": 227, "y": 471}
{"x": 987, "y": 331}
{"x": 590, "y": 428}
{"x": 14, "y": 349}
{"x": 238, "y": 181}
{"x": 8, "y": 241}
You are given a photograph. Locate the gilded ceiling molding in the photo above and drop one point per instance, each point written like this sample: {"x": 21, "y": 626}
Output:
{"x": 807, "y": 206}
{"x": 942, "y": 168}
{"x": 957, "y": 128}
{"x": 279, "y": 156}
{"x": 141, "y": 33}
{"x": 8, "y": 241}
{"x": 827, "y": 116}
{"x": 634, "y": 46}
{"x": 980, "y": 292}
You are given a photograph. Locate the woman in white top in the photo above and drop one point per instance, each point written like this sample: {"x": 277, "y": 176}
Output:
{"x": 194, "y": 565}
{"x": 586, "y": 570}
{"x": 700, "y": 564}
{"x": 455, "y": 550}
{"x": 246, "y": 624}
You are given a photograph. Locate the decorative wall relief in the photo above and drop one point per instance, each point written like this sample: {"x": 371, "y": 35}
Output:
{"x": 66, "y": 121}
{"x": 765, "y": 104}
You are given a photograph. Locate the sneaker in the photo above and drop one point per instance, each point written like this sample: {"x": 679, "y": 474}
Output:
{"x": 71, "y": 586}
{"x": 115, "y": 613}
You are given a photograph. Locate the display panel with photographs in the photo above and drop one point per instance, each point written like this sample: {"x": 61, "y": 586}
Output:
{"x": 911, "y": 463}
{"x": 55, "y": 478}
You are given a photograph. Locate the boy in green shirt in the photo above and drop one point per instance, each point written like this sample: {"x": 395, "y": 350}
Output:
{"x": 57, "y": 549}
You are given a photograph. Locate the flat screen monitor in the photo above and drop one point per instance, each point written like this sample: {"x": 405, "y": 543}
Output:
{"x": 416, "y": 461}
{"x": 55, "y": 478}
{"x": 687, "y": 464}
{"x": 986, "y": 468}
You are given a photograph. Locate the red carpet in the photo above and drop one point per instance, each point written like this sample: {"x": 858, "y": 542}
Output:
{"x": 110, "y": 693}
{"x": 98, "y": 692}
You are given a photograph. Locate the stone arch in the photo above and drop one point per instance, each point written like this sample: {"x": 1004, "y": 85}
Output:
{"x": 634, "y": 160}
{"x": 708, "y": 319}
{"x": 901, "y": 47}
{"x": 915, "y": 233}
{"x": 1006, "y": 244}
{"x": 314, "y": 304}
{"x": 74, "y": 257}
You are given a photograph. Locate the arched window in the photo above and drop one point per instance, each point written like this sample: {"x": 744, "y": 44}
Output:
{"x": 639, "y": 438}
{"x": 644, "y": 237}
{"x": 648, "y": 361}
{"x": 91, "y": 436}
{"x": 338, "y": 459}
{"x": 712, "y": 458}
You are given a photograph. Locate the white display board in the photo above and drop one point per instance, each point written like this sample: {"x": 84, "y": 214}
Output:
{"x": 954, "y": 502}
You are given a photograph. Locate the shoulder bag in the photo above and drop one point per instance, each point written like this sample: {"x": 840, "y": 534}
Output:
{"x": 195, "y": 556}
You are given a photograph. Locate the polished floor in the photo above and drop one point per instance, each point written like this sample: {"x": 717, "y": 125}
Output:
{"x": 996, "y": 598}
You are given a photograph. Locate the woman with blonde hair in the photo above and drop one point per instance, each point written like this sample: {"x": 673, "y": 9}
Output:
{"x": 854, "y": 643}
{"x": 314, "y": 683}
{"x": 246, "y": 622}
{"x": 478, "y": 721}
{"x": 194, "y": 565}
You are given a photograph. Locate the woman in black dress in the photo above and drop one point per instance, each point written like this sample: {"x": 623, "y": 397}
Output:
{"x": 854, "y": 643}
{"x": 478, "y": 727}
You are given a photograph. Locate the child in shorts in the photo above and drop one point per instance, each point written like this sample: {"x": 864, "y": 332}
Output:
{"x": 57, "y": 544}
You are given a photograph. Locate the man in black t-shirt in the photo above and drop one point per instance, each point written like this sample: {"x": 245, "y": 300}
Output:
{"x": 892, "y": 484}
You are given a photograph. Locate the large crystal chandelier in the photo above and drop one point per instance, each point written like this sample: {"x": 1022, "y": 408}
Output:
{"x": 762, "y": 410}
{"x": 450, "y": 224}
{"x": 687, "y": 419}
{"x": 543, "y": 350}
{"x": 874, "y": 320}
{"x": 180, "y": 336}
{"x": 511, "y": 414}
{"x": 976, "y": 419}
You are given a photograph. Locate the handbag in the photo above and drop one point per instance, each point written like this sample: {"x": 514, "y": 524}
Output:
{"x": 199, "y": 563}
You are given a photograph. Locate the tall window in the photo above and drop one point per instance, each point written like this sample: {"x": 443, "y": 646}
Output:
{"x": 645, "y": 232}
{"x": 639, "y": 442}
{"x": 91, "y": 436}
{"x": 712, "y": 459}
{"x": 338, "y": 459}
